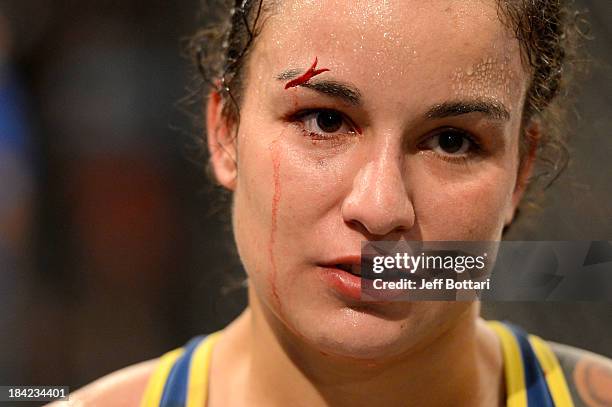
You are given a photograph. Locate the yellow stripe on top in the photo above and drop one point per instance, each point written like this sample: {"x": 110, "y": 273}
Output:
{"x": 557, "y": 386}
{"x": 153, "y": 393}
{"x": 197, "y": 387}
{"x": 513, "y": 366}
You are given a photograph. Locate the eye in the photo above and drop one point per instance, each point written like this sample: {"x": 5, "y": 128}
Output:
{"x": 325, "y": 123}
{"x": 329, "y": 121}
{"x": 450, "y": 142}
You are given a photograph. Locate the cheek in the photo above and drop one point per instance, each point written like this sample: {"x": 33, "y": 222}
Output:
{"x": 472, "y": 208}
{"x": 256, "y": 202}
{"x": 278, "y": 194}
{"x": 312, "y": 179}
{"x": 281, "y": 209}
{"x": 315, "y": 186}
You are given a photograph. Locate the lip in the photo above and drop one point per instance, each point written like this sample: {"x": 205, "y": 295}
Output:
{"x": 343, "y": 282}
{"x": 350, "y": 286}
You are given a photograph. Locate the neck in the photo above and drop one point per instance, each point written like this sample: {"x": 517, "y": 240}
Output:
{"x": 460, "y": 366}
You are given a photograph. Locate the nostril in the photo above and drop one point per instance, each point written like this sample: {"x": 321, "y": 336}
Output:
{"x": 361, "y": 228}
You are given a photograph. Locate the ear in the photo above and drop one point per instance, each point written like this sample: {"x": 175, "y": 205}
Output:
{"x": 533, "y": 133}
{"x": 221, "y": 142}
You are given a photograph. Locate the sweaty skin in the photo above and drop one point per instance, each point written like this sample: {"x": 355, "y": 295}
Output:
{"x": 374, "y": 184}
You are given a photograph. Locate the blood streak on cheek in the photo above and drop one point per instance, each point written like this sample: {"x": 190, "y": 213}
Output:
{"x": 273, "y": 223}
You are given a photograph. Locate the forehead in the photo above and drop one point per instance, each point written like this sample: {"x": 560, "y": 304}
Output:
{"x": 456, "y": 45}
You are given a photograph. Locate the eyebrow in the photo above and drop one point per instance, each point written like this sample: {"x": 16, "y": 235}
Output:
{"x": 350, "y": 94}
{"x": 491, "y": 108}
{"x": 339, "y": 90}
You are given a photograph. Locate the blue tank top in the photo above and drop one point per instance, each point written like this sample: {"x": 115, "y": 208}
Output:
{"x": 532, "y": 372}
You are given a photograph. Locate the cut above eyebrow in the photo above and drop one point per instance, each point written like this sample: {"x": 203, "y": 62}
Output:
{"x": 491, "y": 108}
{"x": 340, "y": 90}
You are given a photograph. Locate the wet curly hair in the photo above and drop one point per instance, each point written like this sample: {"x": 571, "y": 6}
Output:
{"x": 548, "y": 31}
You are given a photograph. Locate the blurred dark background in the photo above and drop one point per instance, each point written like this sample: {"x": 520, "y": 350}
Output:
{"x": 113, "y": 247}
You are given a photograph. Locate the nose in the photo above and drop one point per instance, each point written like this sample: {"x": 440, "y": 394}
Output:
{"x": 379, "y": 201}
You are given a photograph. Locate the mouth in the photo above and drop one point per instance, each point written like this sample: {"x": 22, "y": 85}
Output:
{"x": 349, "y": 268}
{"x": 354, "y": 269}
{"x": 343, "y": 276}
{"x": 391, "y": 275}
{"x": 347, "y": 280}
{"x": 348, "y": 263}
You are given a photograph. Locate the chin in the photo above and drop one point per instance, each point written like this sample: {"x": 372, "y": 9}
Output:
{"x": 374, "y": 332}
{"x": 358, "y": 332}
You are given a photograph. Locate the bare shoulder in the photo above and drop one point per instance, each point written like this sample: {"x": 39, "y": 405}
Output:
{"x": 122, "y": 388}
{"x": 589, "y": 375}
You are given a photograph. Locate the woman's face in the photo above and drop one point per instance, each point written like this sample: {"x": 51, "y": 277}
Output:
{"x": 413, "y": 134}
